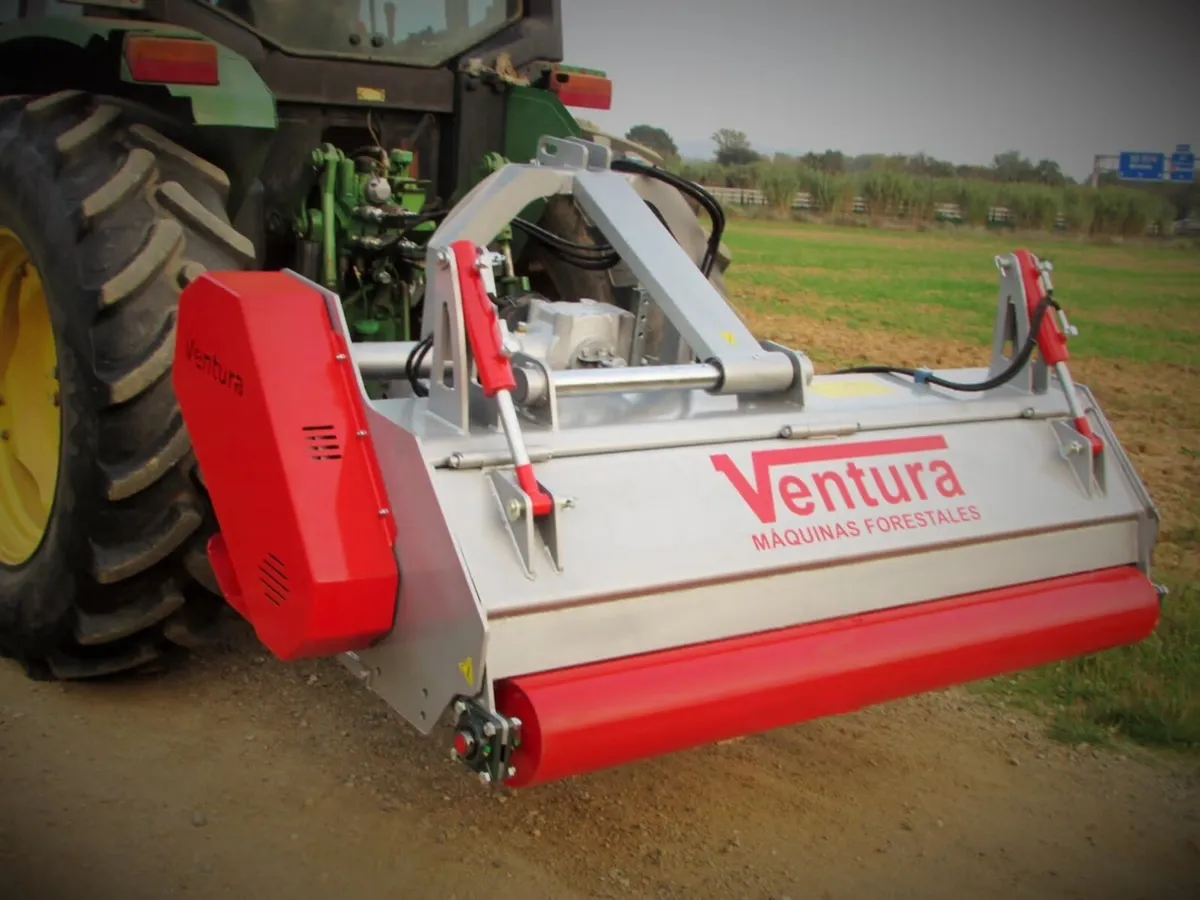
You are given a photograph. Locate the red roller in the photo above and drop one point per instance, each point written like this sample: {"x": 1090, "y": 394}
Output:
{"x": 608, "y": 714}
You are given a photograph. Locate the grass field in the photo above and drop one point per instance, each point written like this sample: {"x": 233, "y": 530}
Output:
{"x": 852, "y": 296}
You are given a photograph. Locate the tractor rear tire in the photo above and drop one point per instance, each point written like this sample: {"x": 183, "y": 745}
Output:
{"x": 103, "y": 519}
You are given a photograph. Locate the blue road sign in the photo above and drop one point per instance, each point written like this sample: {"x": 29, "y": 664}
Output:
{"x": 1143, "y": 166}
{"x": 1183, "y": 164}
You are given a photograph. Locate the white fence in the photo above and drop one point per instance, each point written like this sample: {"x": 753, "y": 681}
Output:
{"x": 948, "y": 212}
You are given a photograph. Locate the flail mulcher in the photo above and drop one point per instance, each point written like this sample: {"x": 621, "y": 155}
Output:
{"x": 592, "y": 557}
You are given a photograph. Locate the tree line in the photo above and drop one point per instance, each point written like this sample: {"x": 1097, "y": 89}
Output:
{"x": 1038, "y": 195}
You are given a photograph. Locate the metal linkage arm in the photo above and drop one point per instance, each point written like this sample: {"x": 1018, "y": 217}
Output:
{"x": 696, "y": 310}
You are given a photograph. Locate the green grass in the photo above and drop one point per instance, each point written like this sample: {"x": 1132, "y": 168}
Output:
{"x": 1138, "y": 310}
{"x": 1147, "y": 692}
{"x": 1139, "y": 304}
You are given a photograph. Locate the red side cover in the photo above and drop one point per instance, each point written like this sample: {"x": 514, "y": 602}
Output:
{"x": 305, "y": 550}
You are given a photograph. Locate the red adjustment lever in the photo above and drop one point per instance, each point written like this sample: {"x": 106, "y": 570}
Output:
{"x": 495, "y": 371}
{"x": 1052, "y": 341}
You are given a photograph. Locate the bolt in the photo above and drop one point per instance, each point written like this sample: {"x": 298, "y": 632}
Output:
{"x": 489, "y": 729}
{"x": 360, "y": 433}
{"x": 514, "y": 510}
{"x": 512, "y": 770}
{"x": 568, "y": 503}
{"x": 485, "y": 778}
{"x": 785, "y": 432}
{"x": 383, "y": 512}
{"x": 341, "y": 357}
{"x": 1075, "y": 447}
{"x": 443, "y": 259}
{"x": 460, "y": 707}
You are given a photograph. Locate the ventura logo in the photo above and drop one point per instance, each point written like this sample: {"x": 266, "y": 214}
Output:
{"x": 211, "y": 365}
{"x": 839, "y": 478}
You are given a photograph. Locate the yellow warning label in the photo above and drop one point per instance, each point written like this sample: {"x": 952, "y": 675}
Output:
{"x": 467, "y": 667}
{"x": 729, "y": 338}
{"x": 844, "y": 390}
{"x": 371, "y": 95}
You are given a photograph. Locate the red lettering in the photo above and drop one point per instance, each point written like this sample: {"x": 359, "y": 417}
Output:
{"x": 914, "y": 474}
{"x": 799, "y": 492}
{"x": 943, "y": 519}
{"x": 776, "y": 540}
{"x": 825, "y": 532}
{"x": 856, "y": 475}
{"x": 975, "y": 514}
{"x": 909, "y": 522}
{"x": 821, "y": 478}
{"x": 792, "y": 536}
{"x": 947, "y": 482}
{"x": 793, "y": 490}
{"x": 761, "y": 542}
{"x": 895, "y": 522}
{"x": 757, "y": 496}
{"x": 852, "y": 527}
{"x": 901, "y": 495}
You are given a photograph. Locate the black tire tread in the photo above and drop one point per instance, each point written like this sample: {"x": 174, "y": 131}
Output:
{"x": 165, "y": 240}
{"x": 113, "y": 563}
{"x": 139, "y": 166}
{"x": 149, "y": 217}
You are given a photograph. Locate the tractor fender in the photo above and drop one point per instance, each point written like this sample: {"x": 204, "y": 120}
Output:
{"x": 53, "y": 53}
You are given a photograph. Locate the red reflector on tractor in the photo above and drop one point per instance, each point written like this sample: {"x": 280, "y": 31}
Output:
{"x": 172, "y": 60}
{"x": 586, "y": 88}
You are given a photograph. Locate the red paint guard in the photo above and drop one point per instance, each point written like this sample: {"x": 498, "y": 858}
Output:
{"x": 269, "y": 395}
{"x": 612, "y": 713}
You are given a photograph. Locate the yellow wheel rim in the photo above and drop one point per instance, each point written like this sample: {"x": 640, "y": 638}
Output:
{"x": 30, "y": 419}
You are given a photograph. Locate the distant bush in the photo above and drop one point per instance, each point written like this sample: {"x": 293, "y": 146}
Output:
{"x": 1108, "y": 210}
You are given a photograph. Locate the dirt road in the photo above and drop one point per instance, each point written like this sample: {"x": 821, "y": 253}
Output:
{"x": 238, "y": 776}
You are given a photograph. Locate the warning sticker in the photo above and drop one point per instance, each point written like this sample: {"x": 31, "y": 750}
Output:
{"x": 838, "y": 491}
{"x": 467, "y": 667}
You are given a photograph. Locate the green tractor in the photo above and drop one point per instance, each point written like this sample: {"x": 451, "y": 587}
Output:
{"x": 144, "y": 142}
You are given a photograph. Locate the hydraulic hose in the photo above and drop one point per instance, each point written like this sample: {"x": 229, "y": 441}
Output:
{"x": 697, "y": 193}
{"x": 924, "y": 376}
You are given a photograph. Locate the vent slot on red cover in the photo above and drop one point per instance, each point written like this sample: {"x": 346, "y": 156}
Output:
{"x": 273, "y": 575}
{"x": 322, "y": 442}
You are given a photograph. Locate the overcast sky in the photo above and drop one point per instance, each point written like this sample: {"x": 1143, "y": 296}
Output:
{"x": 960, "y": 79}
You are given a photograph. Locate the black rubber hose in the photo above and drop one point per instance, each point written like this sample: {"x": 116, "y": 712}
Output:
{"x": 697, "y": 193}
{"x": 923, "y": 376}
{"x": 590, "y": 257}
{"x": 412, "y": 366}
